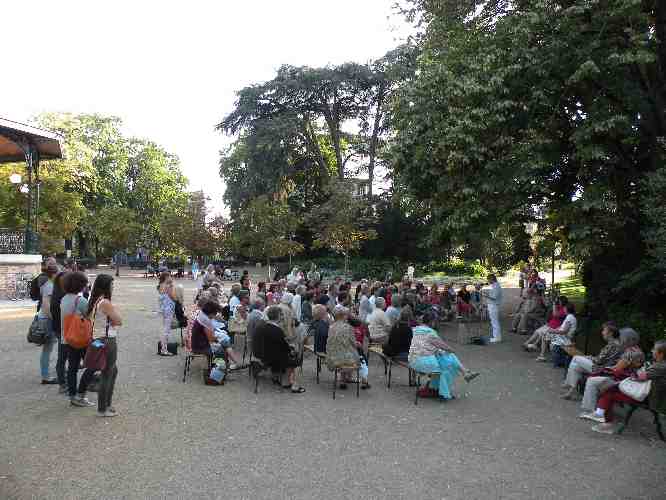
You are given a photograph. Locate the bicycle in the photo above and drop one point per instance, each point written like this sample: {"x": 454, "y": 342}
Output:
{"x": 19, "y": 287}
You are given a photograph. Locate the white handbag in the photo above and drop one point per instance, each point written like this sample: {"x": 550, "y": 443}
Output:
{"x": 636, "y": 389}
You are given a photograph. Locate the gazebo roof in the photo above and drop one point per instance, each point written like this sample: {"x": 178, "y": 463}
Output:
{"x": 45, "y": 142}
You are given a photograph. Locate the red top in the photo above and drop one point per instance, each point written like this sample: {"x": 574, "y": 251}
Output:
{"x": 556, "y": 319}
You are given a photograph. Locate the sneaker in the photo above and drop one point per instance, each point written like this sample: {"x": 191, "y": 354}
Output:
{"x": 81, "y": 402}
{"x": 592, "y": 416}
{"x": 495, "y": 341}
{"x": 542, "y": 359}
{"x": 107, "y": 414}
{"x": 49, "y": 381}
{"x": 605, "y": 428}
{"x": 469, "y": 376}
{"x": 570, "y": 395}
{"x": 530, "y": 347}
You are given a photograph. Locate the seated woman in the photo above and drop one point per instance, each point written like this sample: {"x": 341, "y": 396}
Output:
{"x": 271, "y": 347}
{"x": 429, "y": 354}
{"x": 563, "y": 336}
{"x": 463, "y": 304}
{"x": 632, "y": 358}
{"x": 606, "y": 358}
{"x": 341, "y": 346}
{"x": 656, "y": 398}
{"x": 379, "y": 324}
{"x": 433, "y": 297}
{"x": 207, "y": 339}
{"x": 319, "y": 327}
{"x": 556, "y": 318}
{"x": 400, "y": 338}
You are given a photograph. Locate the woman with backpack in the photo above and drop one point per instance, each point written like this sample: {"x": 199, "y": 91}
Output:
{"x": 106, "y": 322}
{"x": 44, "y": 314}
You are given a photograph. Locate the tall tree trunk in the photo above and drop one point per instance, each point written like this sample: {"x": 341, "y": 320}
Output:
{"x": 313, "y": 145}
{"x": 334, "y": 130}
{"x": 374, "y": 140}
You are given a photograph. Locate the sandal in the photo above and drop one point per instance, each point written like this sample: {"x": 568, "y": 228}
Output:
{"x": 297, "y": 390}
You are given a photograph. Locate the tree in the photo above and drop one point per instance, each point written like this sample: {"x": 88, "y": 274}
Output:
{"x": 263, "y": 229}
{"x": 119, "y": 229}
{"x": 339, "y": 223}
{"x": 525, "y": 105}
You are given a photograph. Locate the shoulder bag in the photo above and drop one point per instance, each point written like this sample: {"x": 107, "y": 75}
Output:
{"x": 636, "y": 389}
{"x": 95, "y": 358}
{"x": 77, "y": 329}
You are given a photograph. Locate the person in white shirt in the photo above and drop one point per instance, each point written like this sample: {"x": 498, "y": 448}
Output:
{"x": 379, "y": 324}
{"x": 297, "y": 302}
{"x": 493, "y": 296}
{"x": 563, "y": 335}
{"x": 234, "y": 301}
{"x": 364, "y": 306}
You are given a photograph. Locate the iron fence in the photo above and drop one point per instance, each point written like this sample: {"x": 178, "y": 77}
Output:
{"x": 12, "y": 241}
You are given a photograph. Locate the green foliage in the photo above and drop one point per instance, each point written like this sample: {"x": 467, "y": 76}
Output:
{"x": 454, "y": 267}
{"x": 263, "y": 229}
{"x": 550, "y": 112}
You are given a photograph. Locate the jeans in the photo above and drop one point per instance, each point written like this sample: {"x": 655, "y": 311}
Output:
{"x": 578, "y": 366}
{"x": 47, "y": 349}
{"x": 493, "y": 312}
{"x": 594, "y": 386}
{"x": 109, "y": 374}
{"x": 74, "y": 357}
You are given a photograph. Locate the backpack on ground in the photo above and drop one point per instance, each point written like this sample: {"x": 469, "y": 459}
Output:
{"x": 77, "y": 329}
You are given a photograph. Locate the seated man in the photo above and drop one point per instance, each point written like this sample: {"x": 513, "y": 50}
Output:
{"x": 531, "y": 310}
{"x": 207, "y": 339}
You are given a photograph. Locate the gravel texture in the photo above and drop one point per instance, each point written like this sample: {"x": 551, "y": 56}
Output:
{"x": 507, "y": 436}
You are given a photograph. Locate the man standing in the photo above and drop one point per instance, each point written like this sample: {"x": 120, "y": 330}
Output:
{"x": 494, "y": 299}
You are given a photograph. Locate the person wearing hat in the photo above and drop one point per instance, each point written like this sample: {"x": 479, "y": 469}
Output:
{"x": 45, "y": 293}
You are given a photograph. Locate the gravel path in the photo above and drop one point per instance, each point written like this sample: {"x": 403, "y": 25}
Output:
{"x": 507, "y": 436}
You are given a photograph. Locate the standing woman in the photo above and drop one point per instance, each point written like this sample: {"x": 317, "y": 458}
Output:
{"x": 106, "y": 322}
{"x": 167, "y": 308}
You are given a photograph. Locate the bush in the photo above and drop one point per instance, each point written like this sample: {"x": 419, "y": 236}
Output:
{"x": 455, "y": 267}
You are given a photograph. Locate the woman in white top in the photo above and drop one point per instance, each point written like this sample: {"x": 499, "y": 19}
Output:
{"x": 106, "y": 322}
{"x": 563, "y": 335}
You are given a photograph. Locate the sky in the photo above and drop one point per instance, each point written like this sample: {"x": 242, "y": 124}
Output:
{"x": 170, "y": 69}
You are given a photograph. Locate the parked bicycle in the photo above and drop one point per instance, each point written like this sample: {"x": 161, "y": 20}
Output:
{"x": 19, "y": 287}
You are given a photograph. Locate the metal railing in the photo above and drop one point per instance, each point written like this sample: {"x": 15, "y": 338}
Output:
{"x": 12, "y": 241}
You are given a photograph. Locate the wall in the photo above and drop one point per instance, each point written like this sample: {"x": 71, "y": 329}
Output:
{"x": 12, "y": 265}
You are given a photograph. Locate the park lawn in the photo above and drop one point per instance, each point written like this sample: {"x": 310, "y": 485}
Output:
{"x": 574, "y": 289}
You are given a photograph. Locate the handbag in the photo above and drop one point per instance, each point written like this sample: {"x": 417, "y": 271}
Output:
{"x": 38, "y": 333}
{"x": 77, "y": 329}
{"x": 95, "y": 358}
{"x": 636, "y": 389}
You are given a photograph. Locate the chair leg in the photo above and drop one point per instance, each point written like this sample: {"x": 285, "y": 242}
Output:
{"x": 256, "y": 371}
{"x": 335, "y": 381}
{"x": 318, "y": 367}
{"x": 244, "y": 350}
{"x": 418, "y": 384}
{"x": 182, "y": 341}
{"x": 390, "y": 369}
{"x": 185, "y": 368}
{"x": 358, "y": 380}
{"x": 657, "y": 423}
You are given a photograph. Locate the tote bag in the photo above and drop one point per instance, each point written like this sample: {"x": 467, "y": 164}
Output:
{"x": 636, "y": 389}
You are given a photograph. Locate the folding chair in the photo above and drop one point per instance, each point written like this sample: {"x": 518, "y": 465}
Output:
{"x": 356, "y": 367}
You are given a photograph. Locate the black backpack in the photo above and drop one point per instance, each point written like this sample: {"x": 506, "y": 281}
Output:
{"x": 35, "y": 286}
{"x": 180, "y": 315}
